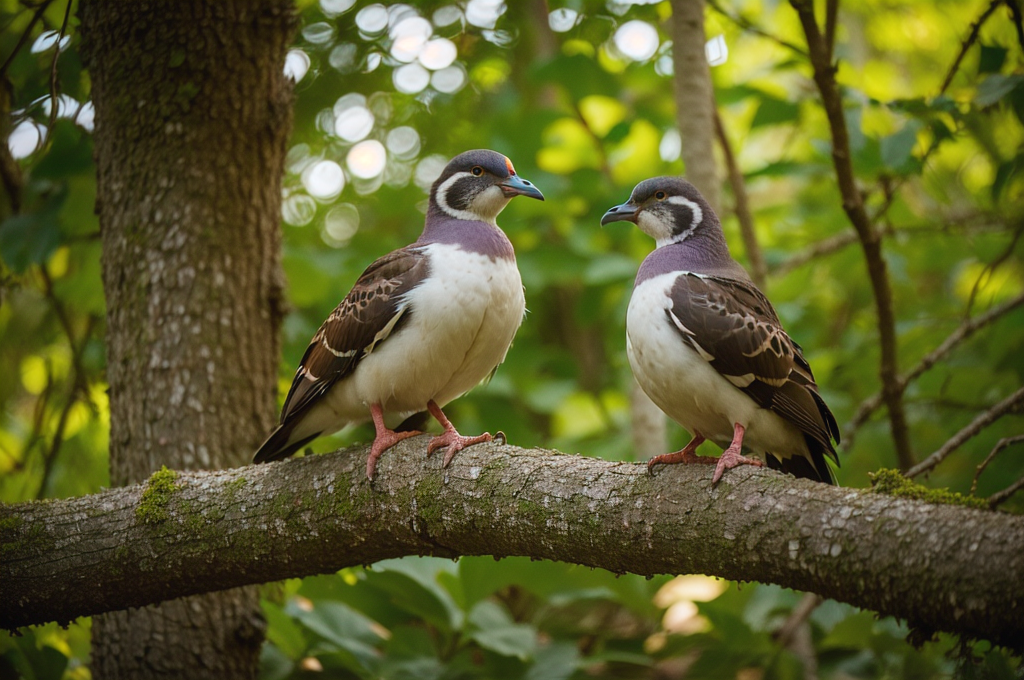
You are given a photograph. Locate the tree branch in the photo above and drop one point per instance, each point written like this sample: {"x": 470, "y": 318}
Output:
{"x": 968, "y": 42}
{"x": 980, "y": 422}
{"x": 964, "y": 331}
{"x": 870, "y": 238}
{"x": 758, "y": 268}
{"x": 939, "y": 567}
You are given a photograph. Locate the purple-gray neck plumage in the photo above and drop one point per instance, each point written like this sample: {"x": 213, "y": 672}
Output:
{"x": 702, "y": 252}
{"x": 471, "y": 236}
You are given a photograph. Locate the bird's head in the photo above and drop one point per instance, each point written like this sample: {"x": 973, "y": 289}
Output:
{"x": 668, "y": 209}
{"x": 477, "y": 185}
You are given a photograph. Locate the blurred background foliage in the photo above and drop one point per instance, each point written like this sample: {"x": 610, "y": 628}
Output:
{"x": 579, "y": 95}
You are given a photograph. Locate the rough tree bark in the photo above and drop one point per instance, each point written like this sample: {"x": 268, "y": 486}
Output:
{"x": 193, "y": 113}
{"x": 940, "y": 567}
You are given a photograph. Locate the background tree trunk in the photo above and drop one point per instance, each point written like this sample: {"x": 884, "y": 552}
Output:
{"x": 193, "y": 114}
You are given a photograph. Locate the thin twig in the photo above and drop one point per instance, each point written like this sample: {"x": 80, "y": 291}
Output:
{"x": 831, "y": 16}
{"x": 990, "y": 268}
{"x": 1018, "y": 21}
{"x": 824, "y": 247}
{"x": 54, "y": 104}
{"x": 968, "y": 43}
{"x": 964, "y": 331}
{"x": 980, "y": 422}
{"x": 1000, "y": 445}
{"x": 748, "y": 25}
{"x": 869, "y": 236}
{"x": 758, "y": 269}
{"x": 804, "y": 608}
{"x": 24, "y": 37}
{"x": 997, "y": 498}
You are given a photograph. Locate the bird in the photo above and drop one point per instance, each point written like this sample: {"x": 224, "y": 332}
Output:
{"x": 421, "y": 326}
{"x": 708, "y": 348}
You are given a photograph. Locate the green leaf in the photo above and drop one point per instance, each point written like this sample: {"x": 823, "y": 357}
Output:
{"x": 991, "y": 59}
{"x": 773, "y": 111}
{"x": 897, "y": 149}
{"x": 495, "y": 630}
{"x": 995, "y": 87}
{"x": 556, "y": 661}
{"x": 284, "y": 632}
{"x": 28, "y": 239}
{"x": 274, "y": 664}
{"x": 343, "y": 627}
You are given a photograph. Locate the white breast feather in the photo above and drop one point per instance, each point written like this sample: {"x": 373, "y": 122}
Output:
{"x": 686, "y": 387}
{"x": 461, "y": 324}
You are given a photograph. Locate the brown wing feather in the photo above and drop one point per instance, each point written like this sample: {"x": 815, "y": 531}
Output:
{"x": 374, "y": 308}
{"x": 733, "y": 326}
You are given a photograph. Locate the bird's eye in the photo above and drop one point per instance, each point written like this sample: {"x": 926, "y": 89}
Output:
{"x": 660, "y": 195}
{"x": 477, "y": 171}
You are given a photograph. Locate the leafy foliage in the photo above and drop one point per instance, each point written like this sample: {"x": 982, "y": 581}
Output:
{"x": 940, "y": 168}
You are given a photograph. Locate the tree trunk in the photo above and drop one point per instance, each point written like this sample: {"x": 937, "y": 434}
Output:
{"x": 193, "y": 114}
{"x": 695, "y": 97}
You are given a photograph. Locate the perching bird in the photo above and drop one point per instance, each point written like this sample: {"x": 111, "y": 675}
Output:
{"x": 422, "y": 325}
{"x": 707, "y": 347}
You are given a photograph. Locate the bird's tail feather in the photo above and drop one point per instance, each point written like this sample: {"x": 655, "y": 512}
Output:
{"x": 815, "y": 468}
{"x": 277, "y": 445}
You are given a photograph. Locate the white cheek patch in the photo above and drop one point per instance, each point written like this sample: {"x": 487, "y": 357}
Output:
{"x": 654, "y": 226}
{"x": 486, "y": 205}
{"x": 695, "y": 211}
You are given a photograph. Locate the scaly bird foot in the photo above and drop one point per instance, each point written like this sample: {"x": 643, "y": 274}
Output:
{"x": 455, "y": 443}
{"x": 384, "y": 441}
{"x": 731, "y": 458}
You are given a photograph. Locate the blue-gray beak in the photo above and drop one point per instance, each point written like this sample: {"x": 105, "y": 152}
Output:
{"x": 625, "y": 212}
{"x": 515, "y": 185}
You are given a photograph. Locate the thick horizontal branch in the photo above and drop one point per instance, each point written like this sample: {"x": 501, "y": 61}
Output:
{"x": 939, "y": 567}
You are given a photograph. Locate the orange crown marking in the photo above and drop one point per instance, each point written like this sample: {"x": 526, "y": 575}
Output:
{"x": 508, "y": 164}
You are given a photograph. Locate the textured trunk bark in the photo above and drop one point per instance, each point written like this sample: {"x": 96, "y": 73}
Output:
{"x": 694, "y": 97}
{"x": 193, "y": 114}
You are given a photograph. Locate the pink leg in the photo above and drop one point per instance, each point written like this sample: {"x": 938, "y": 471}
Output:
{"x": 451, "y": 438}
{"x": 384, "y": 440}
{"x": 686, "y": 455}
{"x": 731, "y": 456}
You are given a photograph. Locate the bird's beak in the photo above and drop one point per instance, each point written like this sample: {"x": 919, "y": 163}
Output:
{"x": 517, "y": 186}
{"x": 626, "y": 211}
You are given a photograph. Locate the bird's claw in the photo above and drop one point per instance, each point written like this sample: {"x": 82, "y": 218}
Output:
{"x": 455, "y": 443}
{"x": 729, "y": 459}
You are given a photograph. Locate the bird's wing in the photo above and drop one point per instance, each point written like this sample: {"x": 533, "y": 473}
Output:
{"x": 372, "y": 310}
{"x": 731, "y": 324}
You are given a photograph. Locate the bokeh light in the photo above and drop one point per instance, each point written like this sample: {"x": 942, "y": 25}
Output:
{"x": 333, "y": 8}
{"x": 323, "y": 180}
{"x": 438, "y": 53}
{"x": 637, "y": 40}
{"x": 563, "y": 19}
{"x": 671, "y": 146}
{"x": 319, "y": 33}
{"x": 372, "y": 19}
{"x": 449, "y": 80}
{"x": 298, "y": 210}
{"x": 353, "y": 123}
{"x": 716, "y": 51}
{"x": 24, "y": 139}
{"x": 447, "y": 15}
{"x": 404, "y": 142}
{"x": 409, "y": 36}
{"x": 340, "y": 224}
{"x": 366, "y": 159}
{"x": 484, "y": 13}
{"x": 410, "y": 78}
{"x": 343, "y": 57}
{"x": 46, "y": 40}
{"x": 296, "y": 64}
{"x": 429, "y": 169}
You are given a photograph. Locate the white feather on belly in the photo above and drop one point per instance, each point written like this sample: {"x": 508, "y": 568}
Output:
{"x": 461, "y": 324}
{"x": 687, "y": 388}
